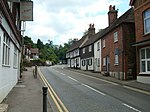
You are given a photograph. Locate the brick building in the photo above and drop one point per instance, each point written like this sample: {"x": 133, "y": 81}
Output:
{"x": 142, "y": 29}
{"x": 118, "y": 59}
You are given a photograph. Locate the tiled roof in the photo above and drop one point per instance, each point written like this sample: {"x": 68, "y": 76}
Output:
{"x": 76, "y": 44}
{"x": 126, "y": 17}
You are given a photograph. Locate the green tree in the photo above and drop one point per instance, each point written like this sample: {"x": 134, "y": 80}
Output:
{"x": 40, "y": 44}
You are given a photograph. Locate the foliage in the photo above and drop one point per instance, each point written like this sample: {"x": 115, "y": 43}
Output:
{"x": 48, "y": 51}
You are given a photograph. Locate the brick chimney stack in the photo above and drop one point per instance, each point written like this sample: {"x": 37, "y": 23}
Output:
{"x": 91, "y": 30}
{"x": 112, "y": 14}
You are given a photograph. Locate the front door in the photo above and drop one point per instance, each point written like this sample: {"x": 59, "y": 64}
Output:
{"x": 107, "y": 64}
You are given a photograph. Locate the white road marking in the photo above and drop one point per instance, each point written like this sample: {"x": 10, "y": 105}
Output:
{"x": 62, "y": 74}
{"x": 72, "y": 79}
{"x": 93, "y": 89}
{"x": 131, "y": 107}
{"x": 138, "y": 90}
{"x": 100, "y": 79}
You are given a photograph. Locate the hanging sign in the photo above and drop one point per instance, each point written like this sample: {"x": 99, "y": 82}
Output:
{"x": 13, "y": 0}
{"x": 26, "y": 10}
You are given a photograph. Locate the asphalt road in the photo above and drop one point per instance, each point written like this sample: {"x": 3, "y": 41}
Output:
{"x": 80, "y": 93}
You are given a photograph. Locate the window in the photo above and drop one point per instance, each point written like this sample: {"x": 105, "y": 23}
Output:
{"x": 83, "y": 50}
{"x": 15, "y": 57}
{"x": 116, "y": 59}
{"x": 90, "y": 62}
{"x": 147, "y": 21}
{"x": 98, "y": 62}
{"x": 115, "y": 36}
{"x": 116, "y": 56}
{"x": 90, "y": 48}
{"x": 103, "y": 43}
{"x": 83, "y": 62}
{"x": 6, "y": 50}
{"x": 145, "y": 60}
{"x": 98, "y": 47}
{"x": 104, "y": 61}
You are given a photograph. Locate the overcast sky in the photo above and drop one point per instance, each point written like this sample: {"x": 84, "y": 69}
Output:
{"x": 61, "y": 20}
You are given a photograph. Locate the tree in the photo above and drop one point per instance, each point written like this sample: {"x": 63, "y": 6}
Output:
{"x": 28, "y": 41}
{"x": 40, "y": 44}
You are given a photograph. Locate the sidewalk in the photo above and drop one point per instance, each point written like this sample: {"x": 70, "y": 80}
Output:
{"x": 130, "y": 83}
{"x": 26, "y": 96}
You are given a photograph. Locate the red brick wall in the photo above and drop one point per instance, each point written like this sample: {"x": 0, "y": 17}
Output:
{"x": 126, "y": 36}
{"x": 139, "y": 23}
{"x": 109, "y": 49}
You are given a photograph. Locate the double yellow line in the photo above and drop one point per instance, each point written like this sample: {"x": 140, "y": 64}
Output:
{"x": 61, "y": 107}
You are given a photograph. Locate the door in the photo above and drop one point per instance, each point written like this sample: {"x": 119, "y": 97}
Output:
{"x": 107, "y": 63}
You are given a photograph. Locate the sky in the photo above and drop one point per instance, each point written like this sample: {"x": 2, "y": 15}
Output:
{"x": 61, "y": 20}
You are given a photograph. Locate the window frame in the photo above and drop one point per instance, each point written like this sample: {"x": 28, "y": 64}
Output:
{"x": 115, "y": 37}
{"x": 6, "y": 50}
{"x": 98, "y": 46}
{"x": 103, "y": 42}
{"x": 83, "y": 50}
{"x": 144, "y": 21}
{"x": 104, "y": 61}
{"x": 90, "y": 48}
{"x": 15, "y": 62}
{"x": 146, "y": 60}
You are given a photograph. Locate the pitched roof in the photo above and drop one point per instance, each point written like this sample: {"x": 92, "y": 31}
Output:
{"x": 128, "y": 16}
{"x": 76, "y": 44}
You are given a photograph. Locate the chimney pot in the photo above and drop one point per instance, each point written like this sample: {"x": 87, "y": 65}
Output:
{"x": 110, "y": 7}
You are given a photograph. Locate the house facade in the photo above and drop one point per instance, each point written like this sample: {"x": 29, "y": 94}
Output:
{"x": 87, "y": 50}
{"x": 10, "y": 47}
{"x": 97, "y": 56}
{"x": 118, "y": 59}
{"x": 142, "y": 44}
{"x": 34, "y": 54}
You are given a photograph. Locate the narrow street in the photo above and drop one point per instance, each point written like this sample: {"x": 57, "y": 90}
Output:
{"x": 81, "y": 93}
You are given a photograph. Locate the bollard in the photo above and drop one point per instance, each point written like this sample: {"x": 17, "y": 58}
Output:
{"x": 35, "y": 75}
{"x": 44, "y": 99}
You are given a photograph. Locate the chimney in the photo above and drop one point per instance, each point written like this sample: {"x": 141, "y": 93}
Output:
{"x": 91, "y": 30}
{"x": 112, "y": 14}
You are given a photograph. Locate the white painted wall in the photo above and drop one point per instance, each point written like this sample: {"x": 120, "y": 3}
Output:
{"x": 143, "y": 79}
{"x": 8, "y": 74}
{"x": 97, "y": 54}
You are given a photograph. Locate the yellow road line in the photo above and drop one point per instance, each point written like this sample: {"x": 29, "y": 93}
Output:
{"x": 53, "y": 94}
{"x": 137, "y": 90}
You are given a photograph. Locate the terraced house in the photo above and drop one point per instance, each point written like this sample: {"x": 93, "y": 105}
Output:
{"x": 110, "y": 51}
{"x": 117, "y": 52}
{"x": 142, "y": 44}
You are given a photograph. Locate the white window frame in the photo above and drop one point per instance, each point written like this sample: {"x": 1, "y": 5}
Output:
{"x": 83, "y": 50}
{"x": 103, "y": 43}
{"x": 15, "y": 64}
{"x": 115, "y": 37}
{"x": 116, "y": 59}
{"x": 6, "y": 51}
{"x": 98, "y": 46}
{"x": 146, "y": 60}
{"x": 90, "y": 48}
{"x": 145, "y": 19}
{"x": 104, "y": 61}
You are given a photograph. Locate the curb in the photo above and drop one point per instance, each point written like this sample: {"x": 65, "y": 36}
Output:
{"x": 121, "y": 83}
